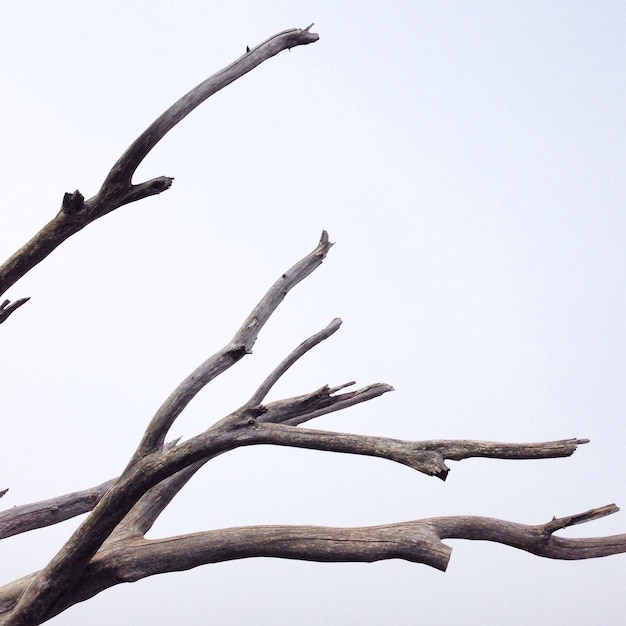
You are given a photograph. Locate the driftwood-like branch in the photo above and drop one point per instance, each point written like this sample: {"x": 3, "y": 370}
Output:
{"x": 417, "y": 541}
{"x": 418, "y": 455}
{"x": 109, "y": 546}
{"x": 119, "y": 178}
{"x": 7, "y": 307}
{"x": 424, "y": 456}
{"x": 118, "y": 189}
{"x": 240, "y": 345}
{"x": 151, "y": 465}
{"x": 21, "y": 519}
{"x": 301, "y": 350}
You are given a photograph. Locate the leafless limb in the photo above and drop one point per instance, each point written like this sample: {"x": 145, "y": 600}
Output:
{"x": 417, "y": 541}
{"x": 152, "y": 478}
{"x": 109, "y": 546}
{"x": 118, "y": 188}
{"x": 240, "y": 345}
{"x": 7, "y": 307}
{"x": 21, "y": 519}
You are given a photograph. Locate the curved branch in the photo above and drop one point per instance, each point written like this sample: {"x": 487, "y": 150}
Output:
{"x": 418, "y": 541}
{"x": 67, "y": 568}
{"x": 537, "y": 540}
{"x": 424, "y": 456}
{"x": 119, "y": 178}
{"x": 240, "y": 345}
{"x": 118, "y": 189}
{"x": 302, "y": 349}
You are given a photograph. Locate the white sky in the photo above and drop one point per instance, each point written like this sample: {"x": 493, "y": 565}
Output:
{"x": 468, "y": 160}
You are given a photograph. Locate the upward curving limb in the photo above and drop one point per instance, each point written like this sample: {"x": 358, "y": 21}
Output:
{"x": 240, "y": 345}
{"x": 118, "y": 188}
{"x": 119, "y": 178}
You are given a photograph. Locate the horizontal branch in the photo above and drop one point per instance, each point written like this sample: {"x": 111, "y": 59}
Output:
{"x": 436, "y": 452}
{"x": 537, "y": 540}
{"x": 418, "y": 455}
{"x": 427, "y": 457}
{"x": 418, "y": 541}
{"x": 21, "y": 519}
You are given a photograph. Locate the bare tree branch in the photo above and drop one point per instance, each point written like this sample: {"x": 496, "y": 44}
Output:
{"x": 109, "y": 546}
{"x": 538, "y": 540}
{"x": 303, "y": 348}
{"x": 418, "y": 541}
{"x": 424, "y": 456}
{"x": 143, "y": 515}
{"x": 119, "y": 178}
{"x": 21, "y": 519}
{"x": 240, "y": 345}
{"x": 118, "y": 189}
{"x": 8, "y": 307}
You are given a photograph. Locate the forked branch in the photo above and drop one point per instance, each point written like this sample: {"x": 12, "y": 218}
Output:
{"x": 110, "y": 547}
{"x": 419, "y": 541}
{"x": 118, "y": 188}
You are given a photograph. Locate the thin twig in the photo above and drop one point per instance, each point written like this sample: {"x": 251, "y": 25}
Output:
{"x": 302, "y": 349}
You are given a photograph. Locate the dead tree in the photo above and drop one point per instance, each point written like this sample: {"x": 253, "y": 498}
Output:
{"x": 110, "y": 547}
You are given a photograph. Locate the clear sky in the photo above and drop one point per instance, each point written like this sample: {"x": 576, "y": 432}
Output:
{"x": 468, "y": 160}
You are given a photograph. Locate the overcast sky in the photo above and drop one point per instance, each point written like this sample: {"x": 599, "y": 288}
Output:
{"x": 468, "y": 160}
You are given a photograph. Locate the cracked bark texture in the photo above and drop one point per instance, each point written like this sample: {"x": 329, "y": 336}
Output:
{"x": 110, "y": 547}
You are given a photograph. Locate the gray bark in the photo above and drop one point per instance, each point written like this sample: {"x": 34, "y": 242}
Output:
{"x": 109, "y": 547}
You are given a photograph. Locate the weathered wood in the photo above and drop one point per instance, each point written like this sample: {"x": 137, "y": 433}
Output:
{"x": 21, "y": 519}
{"x": 109, "y": 547}
{"x": 118, "y": 188}
{"x": 418, "y": 541}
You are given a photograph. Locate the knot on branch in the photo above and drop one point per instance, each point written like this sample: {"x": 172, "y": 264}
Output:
{"x": 250, "y": 415}
{"x": 73, "y": 203}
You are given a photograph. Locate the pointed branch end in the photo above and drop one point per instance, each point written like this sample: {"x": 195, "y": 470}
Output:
{"x": 3, "y": 492}
{"x": 307, "y": 36}
{"x": 571, "y": 520}
{"x": 8, "y": 307}
{"x": 324, "y": 244}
